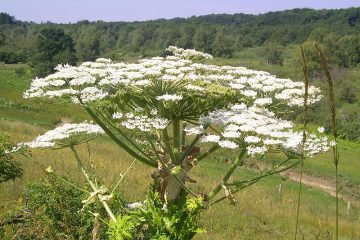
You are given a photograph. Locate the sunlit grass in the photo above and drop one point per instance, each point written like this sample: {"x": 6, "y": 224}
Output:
{"x": 261, "y": 211}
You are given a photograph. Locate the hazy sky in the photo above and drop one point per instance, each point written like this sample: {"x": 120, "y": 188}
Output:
{"x": 64, "y": 11}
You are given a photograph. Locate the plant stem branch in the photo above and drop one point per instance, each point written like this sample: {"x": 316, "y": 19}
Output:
{"x": 236, "y": 163}
{"x": 92, "y": 185}
{"x": 118, "y": 141}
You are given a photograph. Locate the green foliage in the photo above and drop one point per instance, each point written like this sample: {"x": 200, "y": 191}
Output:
{"x": 88, "y": 48}
{"x": 274, "y": 54}
{"x": 123, "y": 229}
{"x": 12, "y": 56}
{"x": 9, "y": 169}
{"x": 21, "y": 71}
{"x": 349, "y": 124}
{"x": 348, "y": 53}
{"x": 2, "y": 37}
{"x": 157, "y": 220}
{"x": 312, "y": 57}
{"x": 172, "y": 221}
{"x": 53, "y": 47}
{"x": 54, "y": 212}
{"x": 6, "y": 19}
{"x": 223, "y": 45}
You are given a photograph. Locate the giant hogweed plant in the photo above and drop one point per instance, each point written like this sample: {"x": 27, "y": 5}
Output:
{"x": 172, "y": 112}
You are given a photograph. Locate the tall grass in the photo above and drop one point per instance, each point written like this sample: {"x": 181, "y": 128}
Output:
{"x": 334, "y": 130}
{"x": 305, "y": 107}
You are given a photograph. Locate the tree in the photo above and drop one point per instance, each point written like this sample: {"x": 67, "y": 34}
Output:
{"x": 88, "y": 48}
{"x": 223, "y": 45}
{"x": 9, "y": 169}
{"x": 203, "y": 39}
{"x": 53, "y": 47}
{"x": 2, "y": 37}
{"x": 348, "y": 53}
{"x": 6, "y": 19}
{"x": 274, "y": 54}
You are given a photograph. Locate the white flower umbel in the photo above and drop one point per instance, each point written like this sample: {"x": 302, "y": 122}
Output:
{"x": 259, "y": 130}
{"x": 188, "y": 53}
{"x": 69, "y": 133}
{"x": 93, "y": 81}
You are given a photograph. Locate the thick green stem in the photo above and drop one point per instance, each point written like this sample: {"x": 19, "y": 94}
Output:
{"x": 118, "y": 141}
{"x": 166, "y": 140}
{"x": 124, "y": 136}
{"x": 306, "y": 93}
{"x": 92, "y": 185}
{"x": 173, "y": 175}
{"x": 177, "y": 140}
{"x": 165, "y": 136}
{"x": 236, "y": 163}
{"x": 183, "y": 135}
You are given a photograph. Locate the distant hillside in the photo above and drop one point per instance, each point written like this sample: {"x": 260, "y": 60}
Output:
{"x": 218, "y": 34}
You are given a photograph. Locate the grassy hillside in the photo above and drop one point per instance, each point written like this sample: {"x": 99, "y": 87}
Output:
{"x": 261, "y": 212}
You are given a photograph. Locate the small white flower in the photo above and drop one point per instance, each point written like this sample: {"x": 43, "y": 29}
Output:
{"x": 227, "y": 144}
{"x": 210, "y": 138}
{"x": 252, "y": 139}
{"x": 169, "y": 97}
{"x": 117, "y": 115}
{"x": 321, "y": 129}
{"x": 194, "y": 130}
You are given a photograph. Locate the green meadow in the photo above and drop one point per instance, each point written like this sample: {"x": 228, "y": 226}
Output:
{"x": 261, "y": 211}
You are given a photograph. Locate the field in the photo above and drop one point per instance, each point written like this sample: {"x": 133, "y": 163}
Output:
{"x": 261, "y": 212}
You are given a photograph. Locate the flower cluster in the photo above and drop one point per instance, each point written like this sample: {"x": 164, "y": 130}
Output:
{"x": 65, "y": 134}
{"x": 92, "y": 81}
{"x": 258, "y": 130}
{"x": 242, "y": 103}
{"x": 188, "y": 53}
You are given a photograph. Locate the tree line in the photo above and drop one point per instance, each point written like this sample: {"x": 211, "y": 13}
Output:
{"x": 222, "y": 35}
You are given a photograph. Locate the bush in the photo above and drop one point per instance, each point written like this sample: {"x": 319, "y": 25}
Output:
{"x": 9, "y": 169}
{"x": 11, "y": 57}
{"x": 53, "y": 212}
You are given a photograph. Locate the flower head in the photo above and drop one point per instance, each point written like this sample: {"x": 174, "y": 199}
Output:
{"x": 66, "y": 135}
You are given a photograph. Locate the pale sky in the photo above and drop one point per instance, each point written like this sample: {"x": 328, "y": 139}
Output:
{"x": 65, "y": 11}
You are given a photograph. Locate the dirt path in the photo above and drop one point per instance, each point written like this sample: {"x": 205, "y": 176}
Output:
{"x": 323, "y": 184}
